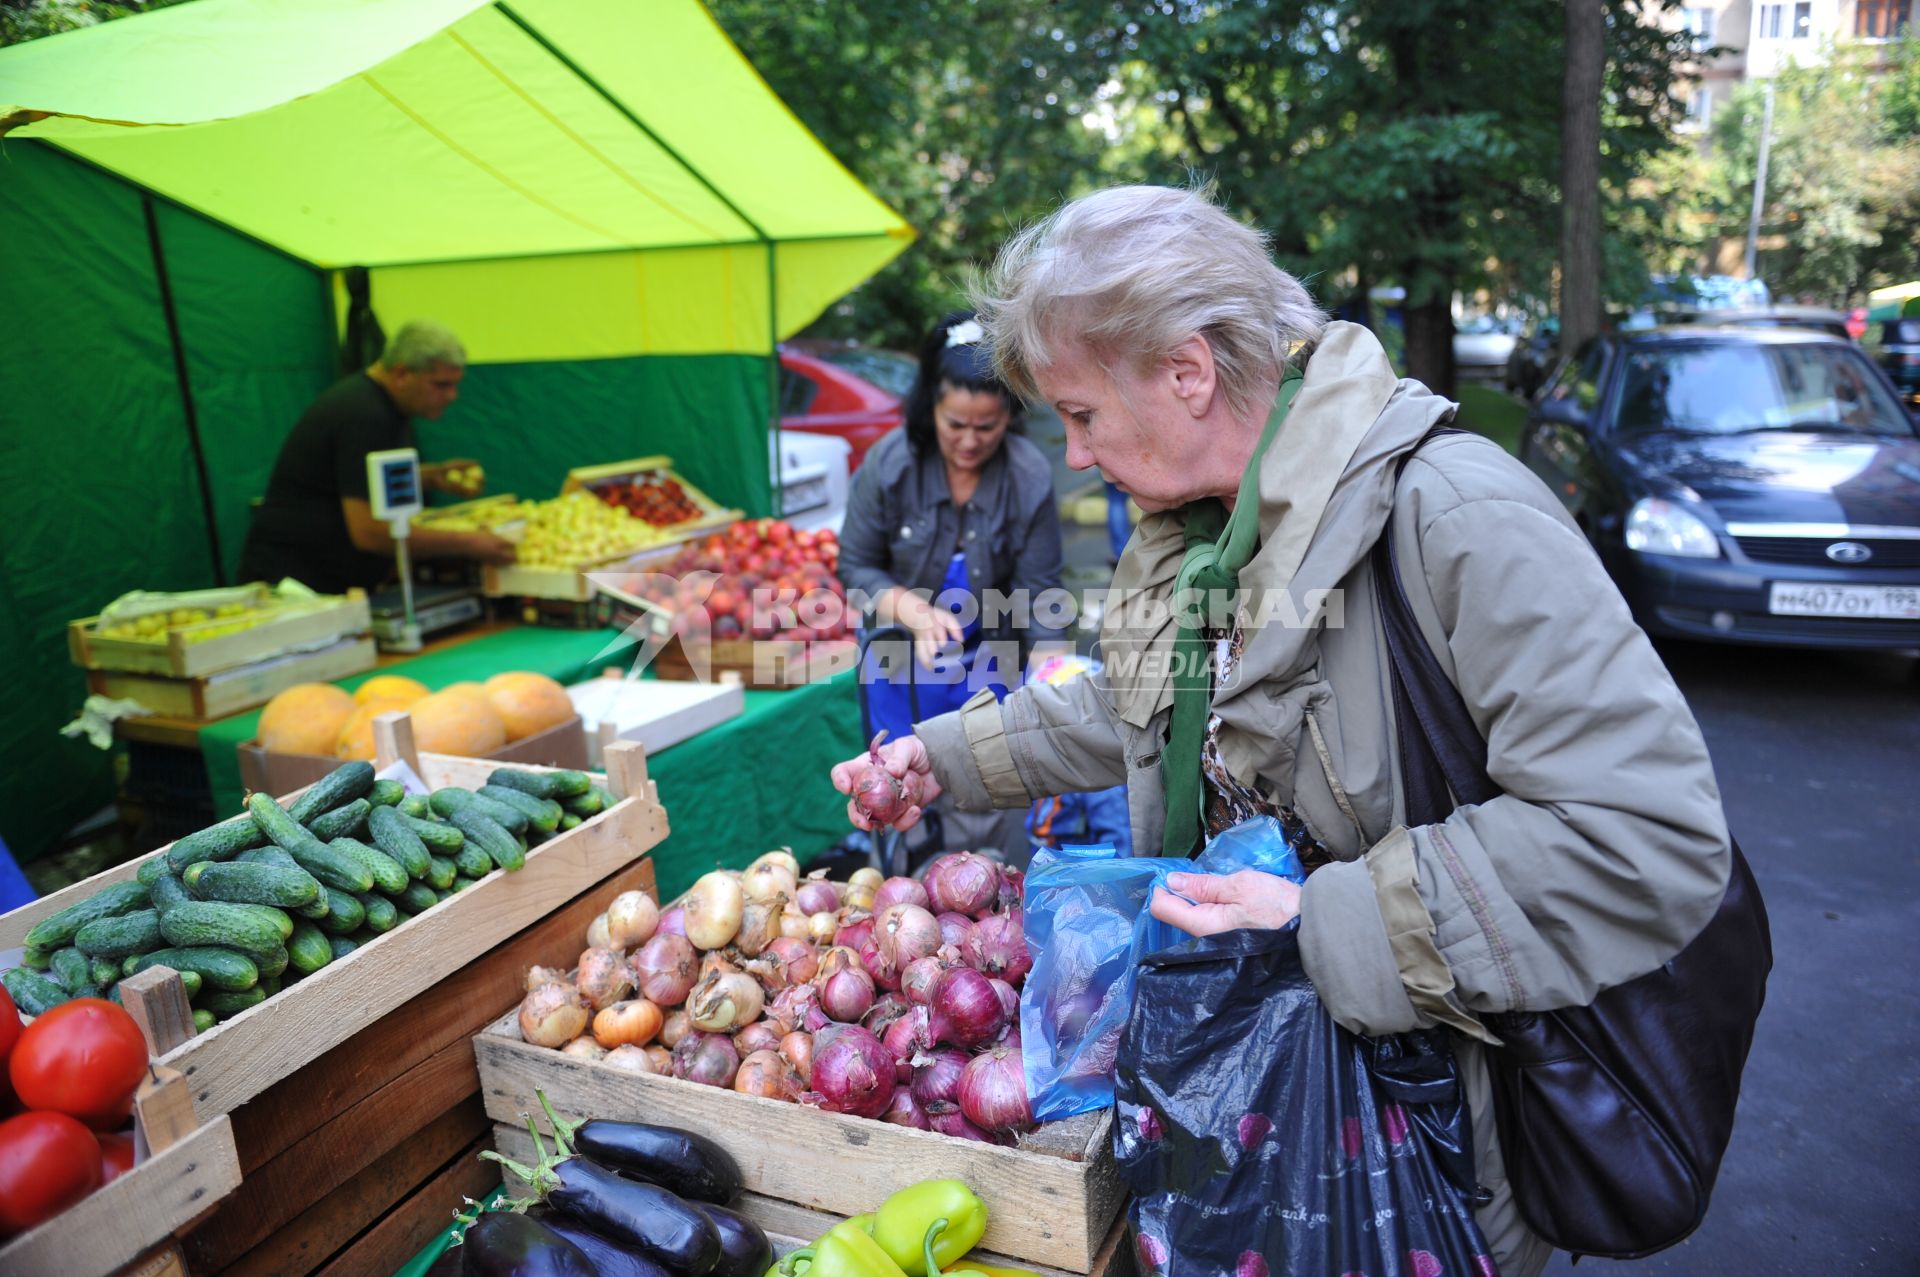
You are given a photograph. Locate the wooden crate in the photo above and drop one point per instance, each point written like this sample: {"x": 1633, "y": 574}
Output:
{"x": 766, "y": 664}
{"x": 229, "y": 691}
{"x": 712, "y": 513}
{"x": 1052, "y": 1199}
{"x": 236, "y": 1060}
{"x": 129, "y": 1227}
{"x": 291, "y": 625}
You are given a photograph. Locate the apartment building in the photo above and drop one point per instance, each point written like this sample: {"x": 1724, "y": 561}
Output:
{"x": 1759, "y": 37}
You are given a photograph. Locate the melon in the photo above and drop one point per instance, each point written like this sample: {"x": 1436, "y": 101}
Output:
{"x": 390, "y": 687}
{"x": 356, "y": 734}
{"x": 528, "y": 703}
{"x": 305, "y": 719}
{"x": 464, "y": 689}
{"x": 449, "y": 722}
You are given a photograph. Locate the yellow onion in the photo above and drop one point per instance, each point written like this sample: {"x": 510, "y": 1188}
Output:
{"x": 660, "y": 1058}
{"x": 725, "y": 1001}
{"x": 766, "y": 880}
{"x": 632, "y": 919}
{"x": 552, "y": 1015}
{"x": 861, "y": 896}
{"x": 629, "y": 1023}
{"x": 537, "y": 976}
{"x": 821, "y": 927}
{"x": 866, "y": 876}
{"x": 599, "y": 933}
{"x": 794, "y": 924}
{"x": 605, "y": 978}
{"x": 759, "y": 926}
{"x": 781, "y": 856}
{"x": 584, "y": 1048}
{"x": 713, "y": 910}
{"x": 632, "y": 1059}
{"x": 765, "y": 1074}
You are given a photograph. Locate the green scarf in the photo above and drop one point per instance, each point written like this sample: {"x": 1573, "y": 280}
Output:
{"x": 1218, "y": 545}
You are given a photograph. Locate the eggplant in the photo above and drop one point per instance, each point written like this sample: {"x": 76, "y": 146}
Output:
{"x": 608, "y": 1257}
{"x": 646, "y": 1217}
{"x": 509, "y": 1244}
{"x": 744, "y": 1248}
{"x": 693, "y": 1166}
{"x": 451, "y": 1263}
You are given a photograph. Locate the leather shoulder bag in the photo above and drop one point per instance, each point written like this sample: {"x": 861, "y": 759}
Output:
{"x": 1613, "y": 1117}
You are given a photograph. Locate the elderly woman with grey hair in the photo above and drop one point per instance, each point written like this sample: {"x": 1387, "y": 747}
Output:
{"x": 1270, "y": 450}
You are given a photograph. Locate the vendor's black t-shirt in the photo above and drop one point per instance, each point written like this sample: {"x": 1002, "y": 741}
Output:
{"x": 299, "y": 530}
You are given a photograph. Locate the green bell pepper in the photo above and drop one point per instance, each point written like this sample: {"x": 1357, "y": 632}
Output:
{"x": 845, "y": 1251}
{"x": 929, "y": 1225}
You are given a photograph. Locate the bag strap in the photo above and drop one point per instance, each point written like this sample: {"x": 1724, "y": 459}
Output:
{"x": 1443, "y": 757}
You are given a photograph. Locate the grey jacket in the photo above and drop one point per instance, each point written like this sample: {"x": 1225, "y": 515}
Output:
{"x": 1608, "y": 850}
{"x": 902, "y": 526}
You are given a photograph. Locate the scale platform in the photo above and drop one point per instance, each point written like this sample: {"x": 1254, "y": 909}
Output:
{"x": 435, "y": 608}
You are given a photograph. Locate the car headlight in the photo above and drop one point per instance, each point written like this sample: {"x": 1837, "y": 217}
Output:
{"x": 1661, "y": 527}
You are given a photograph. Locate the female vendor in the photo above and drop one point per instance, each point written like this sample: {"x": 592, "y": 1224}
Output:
{"x": 953, "y": 533}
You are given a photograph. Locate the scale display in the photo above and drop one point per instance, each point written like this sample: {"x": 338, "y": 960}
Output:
{"x": 393, "y": 484}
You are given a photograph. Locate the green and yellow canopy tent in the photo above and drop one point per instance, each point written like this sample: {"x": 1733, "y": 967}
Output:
{"x": 601, "y": 197}
{"x": 1897, "y": 302}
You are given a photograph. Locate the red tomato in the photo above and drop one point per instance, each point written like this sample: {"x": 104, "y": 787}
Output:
{"x": 9, "y": 1034}
{"x": 83, "y": 1058}
{"x": 116, "y": 1155}
{"x": 48, "y": 1162}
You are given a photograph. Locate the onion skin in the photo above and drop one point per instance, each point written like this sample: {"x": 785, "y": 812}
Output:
{"x": 899, "y": 891}
{"x": 537, "y": 976}
{"x": 906, "y": 1111}
{"x": 955, "y": 928}
{"x": 634, "y": 1022}
{"x": 902, "y": 1039}
{"x": 553, "y": 1015}
{"x": 946, "y": 1118}
{"x": 884, "y": 973}
{"x": 886, "y": 1008}
{"x": 847, "y": 995}
{"x": 998, "y": 947}
{"x": 674, "y": 921}
{"x": 631, "y": 1059}
{"x": 661, "y": 1058}
{"x": 765, "y": 1074}
{"x": 838, "y": 958}
{"x": 936, "y": 1075}
{"x": 801, "y": 958}
{"x": 706, "y": 1058}
{"x": 795, "y": 1007}
{"x": 713, "y": 909}
{"x": 761, "y": 1035}
{"x": 1010, "y": 1001}
{"x": 632, "y": 919}
{"x": 993, "y": 1091}
{"x": 1013, "y": 887}
{"x": 584, "y": 1048}
{"x": 962, "y": 882}
{"x": 759, "y": 926}
{"x": 852, "y": 1074}
{"x": 604, "y": 978}
{"x": 664, "y": 969}
{"x": 600, "y": 933}
{"x": 964, "y": 1009}
{"x": 725, "y": 1001}
{"x": 796, "y": 1049}
{"x": 675, "y": 1028}
{"x": 817, "y": 895}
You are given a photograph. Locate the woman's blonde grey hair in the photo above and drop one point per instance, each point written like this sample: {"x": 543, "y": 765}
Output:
{"x": 1133, "y": 271}
{"x": 421, "y": 344}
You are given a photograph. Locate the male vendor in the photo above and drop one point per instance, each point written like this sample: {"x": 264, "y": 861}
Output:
{"x": 316, "y": 523}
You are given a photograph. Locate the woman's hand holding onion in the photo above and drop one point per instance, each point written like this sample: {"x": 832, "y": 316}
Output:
{"x": 901, "y": 759}
{"x": 1226, "y": 902}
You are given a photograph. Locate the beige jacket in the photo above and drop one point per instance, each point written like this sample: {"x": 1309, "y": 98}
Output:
{"x": 1608, "y": 850}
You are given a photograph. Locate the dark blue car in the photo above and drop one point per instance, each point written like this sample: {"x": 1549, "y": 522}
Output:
{"x": 1741, "y": 485}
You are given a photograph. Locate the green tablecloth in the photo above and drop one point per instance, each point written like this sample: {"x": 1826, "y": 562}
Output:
{"x": 732, "y": 792}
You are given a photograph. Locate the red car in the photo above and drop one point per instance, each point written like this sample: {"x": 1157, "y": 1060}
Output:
{"x": 849, "y": 392}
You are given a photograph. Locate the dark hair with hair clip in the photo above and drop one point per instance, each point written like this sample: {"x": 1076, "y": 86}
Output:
{"x": 959, "y": 364}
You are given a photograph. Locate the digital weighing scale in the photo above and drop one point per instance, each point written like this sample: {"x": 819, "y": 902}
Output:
{"x": 435, "y": 608}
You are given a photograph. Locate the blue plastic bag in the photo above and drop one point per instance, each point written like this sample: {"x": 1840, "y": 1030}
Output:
{"x": 1087, "y": 928}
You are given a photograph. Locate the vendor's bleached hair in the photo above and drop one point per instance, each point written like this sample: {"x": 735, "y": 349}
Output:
{"x": 1133, "y": 271}
{"x": 420, "y": 344}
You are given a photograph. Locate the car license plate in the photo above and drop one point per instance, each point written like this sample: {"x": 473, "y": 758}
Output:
{"x": 808, "y": 494}
{"x": 1872, "y": 602}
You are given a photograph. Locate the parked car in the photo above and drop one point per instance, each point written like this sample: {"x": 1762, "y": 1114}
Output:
{"x": 1899, "y": 356}
{"x": 1533, "y": 357}
{"x": 848, "y": 391}
{"x": 1812, "y": 318}
{"x": 1745, "y": 485}
{"x": 1481, "y": 347}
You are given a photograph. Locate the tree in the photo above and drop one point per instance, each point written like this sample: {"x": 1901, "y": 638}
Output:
{"x": 1586, "y": 60}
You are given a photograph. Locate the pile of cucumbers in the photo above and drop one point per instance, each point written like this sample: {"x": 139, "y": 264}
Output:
{"x": 248, "y": 906}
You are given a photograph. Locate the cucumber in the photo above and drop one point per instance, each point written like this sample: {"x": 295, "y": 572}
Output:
{"x": 584, "y": 805}
{"x": 32, "y": 992}
{"x": 342, "y": 822}
{"x": 394, "y": 836}
{"x": 203, "y": 1019}
{"x": 345, "y": 914}
{"x": 381, "y": 914}
{"x": 167, "y": 890}
{"x": 385, "y": 871}
{"x": 569, "y": 821}
{"x": 441, "y": 840}
{"x": 74, "y": 972}
{"x": 282, "y": 920}
{"x": 37, "y": 959}
{"x": 440, "y": 872}
{"x": 386, "y": 793}
{"x": 277, "y": 856}
{"x": 150, "y": 868}
{"x": 226, "y": 1005}
{"x": 218, "y": 968}
{"x": 223, "y": 841}
{"x": 463, "y": 882}
{"x": 270, "y": 985}
{"x": 441, "y": 893}
{"x": 418, "y": 898}
{"x": 554, "y": 784}
{"x": 415, "y": 805}
{"x": 50, "y": 933}
{"x": 341, "y": 785}
{"x": 209, "y": 922}
{"x": 542, "y": 814}
{"x": 192, "y": 982}
{"x": 270, "y": 962}
{"x": 472, "y": 862}
{"x": 307, "y": 851}
{"x": 252, "y": 884}
{"x": 105, "y": 972}
{"x": 341, "y": 870}
{"x": 137, "y": 932}
{"x": 499, "y": 844}
{"x": 308, "y": 949}
{"x": 448, "y": 801}
{"x": 341, "y": 946}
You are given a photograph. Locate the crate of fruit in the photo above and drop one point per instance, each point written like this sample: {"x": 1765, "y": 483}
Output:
{"x": 563, "y": 540}
{"x": 306, "y": 918}
{"x": 782, "y": 1016}
{"x": 114, "y": 1203}
{"x": 187, "y": 636}
{"x": 648, "y": 489}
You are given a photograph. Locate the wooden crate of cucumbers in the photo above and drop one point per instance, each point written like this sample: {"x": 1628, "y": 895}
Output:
{"x": 307, "y": 919}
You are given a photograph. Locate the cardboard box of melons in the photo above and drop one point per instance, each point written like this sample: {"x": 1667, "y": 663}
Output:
{"x": 515, "y": 717}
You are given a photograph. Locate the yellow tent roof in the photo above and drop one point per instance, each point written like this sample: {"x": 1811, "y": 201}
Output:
{"x": 554, "y": 178}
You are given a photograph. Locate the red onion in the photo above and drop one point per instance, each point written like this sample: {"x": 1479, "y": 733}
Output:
{"x": 902, "y": 1038}
{"x": 673, "y": 922}
{"x": 936, "y": 1075}
{"x": 998, "y": 947}
{"x": 802, "y": 959}
{"x": 847, "y": 995}
{"x": 796, "y": 1008}
{"x": 761, "y": 1035}
{"x": 905, "y": 933}
{"x": 993, "y": 1091}
{"x": 666, "y": 968}
{"x": 954, "y": 930}
{"x": 945, "y": 1117}
{"x": 1013, "y": 885}
{"x": 838, "y": 958}
{"x": 884, "y": 973}
{"x": 1010, "y": 1001}
{"x": 887, "y": 1008}
{"x": 797, "y": 1050}
{"x": 906, "y": 1111}
{"x": 965, "y": 1011}
{"x": 899, "y": 891}
{"x": 918, "y": 979}
{"x": 854, "y": 931}
{"x": 852, "y": 1074}
{"x": 816, "y": 895}
{"x": 706, "y": 1058}
{"x": 877, "y": 792}
{"x": 962, "y": 883}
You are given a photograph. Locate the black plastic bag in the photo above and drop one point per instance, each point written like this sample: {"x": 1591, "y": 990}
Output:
{"x": 1260, "y": 1138}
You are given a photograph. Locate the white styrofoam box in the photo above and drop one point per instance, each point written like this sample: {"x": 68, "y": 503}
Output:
{"x": 656, "y": 712}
